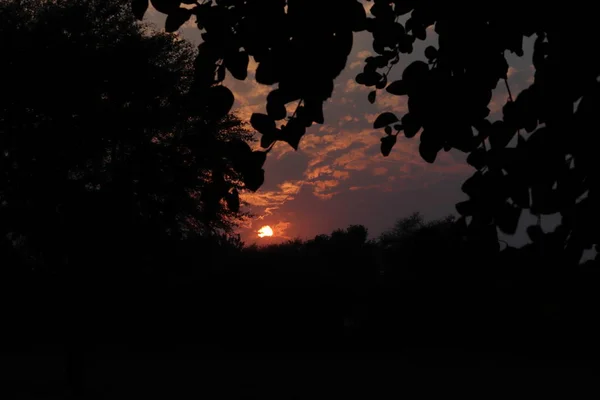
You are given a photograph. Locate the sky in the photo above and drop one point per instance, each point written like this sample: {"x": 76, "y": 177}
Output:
{"x": 338, "y": 177}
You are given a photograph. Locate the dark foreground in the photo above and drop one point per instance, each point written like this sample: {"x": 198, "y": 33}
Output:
{"x": 224, "y": 339}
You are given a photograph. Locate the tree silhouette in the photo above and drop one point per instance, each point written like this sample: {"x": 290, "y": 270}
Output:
{"x": 523, "y": 161}
{"x": 100, "y": 148}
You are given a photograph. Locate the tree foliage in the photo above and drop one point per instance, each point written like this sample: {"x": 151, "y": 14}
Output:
{"x": 448, "y": 93}
{"x": 100, "y": 147}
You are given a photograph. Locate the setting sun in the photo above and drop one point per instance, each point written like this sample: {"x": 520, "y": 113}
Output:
{"x": 265, "y": 231}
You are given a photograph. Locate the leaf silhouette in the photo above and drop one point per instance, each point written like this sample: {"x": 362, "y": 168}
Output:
{"x": 165, "y": 6}
{"x": 139, "y": 8}
{"x": 384, "y": 119}
{"x": 359, "y": 17}
{"x": 477, "y": 158}
{"x": 387, "y": 143}
{"x": 276, "y": 110}
{"x": 431, "y": 53}
{"x": 233, "y": 200}
{"x": 220, "y": 101}
{"x": 177, "y": 18}
{"x": 265, "y": 73}
{"x": 428, "y": 151}
{"x": 403, "y": 7}
{"x": 237, "y": 64}
{"x": 398, "y": 88}
{"x": 293, "y": 132}
{"x": 411, "y": 125}
{"x": 267, "y": 140}
{"x": 416, "y": 71}
{"x": 262, "y": 123}
{"x": 465, "y": 208}
{"x": 258, "y": 158}
{"x": 254, "y": 179}
{"x": 372, "y": 96}
{"x": 508, "y": 218}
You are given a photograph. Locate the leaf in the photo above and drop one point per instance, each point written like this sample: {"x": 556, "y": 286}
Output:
{"x": 387, "y": 143}
{"x": 265, "y": 73}
{"x": 428, "y": 151}
{"x": 233, "y": 200}
{"x": 397, "y": 88}
{"x": 276, "y": 110}
{"x": 220, "y": 74}
{"x": 465, "y": 208}
{"x": 139, "y": 8}
{"x": 431, "y": 53}
{"x": 520, "y": 195}
{"x": 293, "y": 132}
{"x": 416, "y": 71}
{"x": 262, "y": 123}
{"x": 371, "y": 78}
{"x": 237, "y": 64}
{"x": 477, "y": 159}
{"x": 176, "y": 19}
{"x": 372, "y": 96}
{"x": 258, "y": 158}
{"x": 420, "y": 32}
{"x": 501, "y": 134}
{"x": 535, "y": 233}
{"x": 507, "y": 218}
{"x": 403, "y": 7}
{"x": 165, "y": 6}
{"x": 250, "y": 165}
{"x": 411, "y": 125}
{"x": 254, "y": 179}
{"x": 314, "y": 111}
{"x": 398, "y": 127}
{"x": 267, "y": 140}
{"x": 384, "y": 119}
{"x": 382, "y": 83}
{"x": 359, "y": 17}
{"x": 220, "y": 101}
{"x": 388, "y": 130}
{"x": 474, "y": 184}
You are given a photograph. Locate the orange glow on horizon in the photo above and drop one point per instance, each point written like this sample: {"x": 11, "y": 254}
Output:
{"x": 265, "y": 231}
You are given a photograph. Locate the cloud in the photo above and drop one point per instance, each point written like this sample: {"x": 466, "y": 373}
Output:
{"x": 380, "y": 171}
{"x": 355, "y": 64}
{"x": 280, "y": 229}
{"x": 352, "y": 86}
{"x": 273, "y": 198}
{"x": 355, "y": 188}
{"x": 317, "y": 172}
{"x": 396, "y": 104}
{"x": 341, "y": 175}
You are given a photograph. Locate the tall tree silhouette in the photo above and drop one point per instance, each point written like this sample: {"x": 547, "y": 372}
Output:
{"x": 102, "y": 155}
{"x": 107, "y": 170}
{"x": 523, "y": 161}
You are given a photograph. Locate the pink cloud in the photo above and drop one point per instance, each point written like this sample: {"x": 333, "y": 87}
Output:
{"x": 380, "y": 171}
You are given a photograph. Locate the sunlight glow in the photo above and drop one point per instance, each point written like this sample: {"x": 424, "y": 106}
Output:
{"x": 265, "y": 231}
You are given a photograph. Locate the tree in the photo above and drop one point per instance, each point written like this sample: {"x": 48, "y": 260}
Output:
{"x": 448, "y": 96}
{"x": 100, "y": 148}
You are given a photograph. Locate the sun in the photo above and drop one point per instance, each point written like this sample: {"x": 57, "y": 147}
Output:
{"x": 265, "y": 231}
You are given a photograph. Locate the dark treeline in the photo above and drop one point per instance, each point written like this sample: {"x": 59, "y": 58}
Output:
{"x": 121, "y": 167}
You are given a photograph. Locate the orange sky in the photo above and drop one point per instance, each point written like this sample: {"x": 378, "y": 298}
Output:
{"x": 338, "y": 176}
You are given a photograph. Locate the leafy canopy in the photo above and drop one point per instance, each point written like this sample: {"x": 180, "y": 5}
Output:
{"x": 302, "y": 45}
